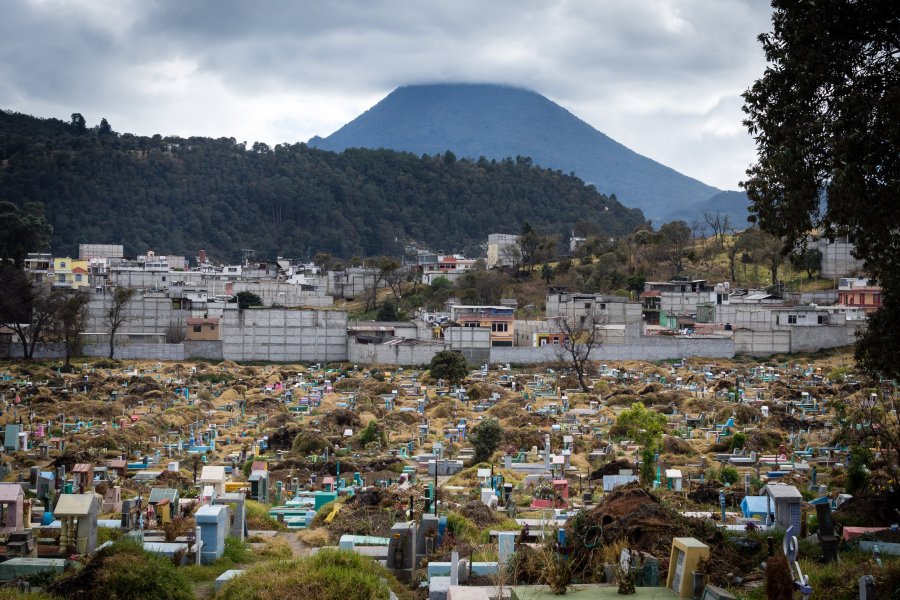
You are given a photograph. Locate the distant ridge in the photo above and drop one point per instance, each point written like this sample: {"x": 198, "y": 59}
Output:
{"x": 495, "y": 121}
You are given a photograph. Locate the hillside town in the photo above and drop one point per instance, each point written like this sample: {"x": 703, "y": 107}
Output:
{"x": 179, "y": 309}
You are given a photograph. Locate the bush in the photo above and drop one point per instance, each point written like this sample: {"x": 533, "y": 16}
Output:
{"x": 450, "y": 366}
{"x": 329, "y": 575}
{"x": 309, "y": 443}
{"x": 486, "y": 437}
{"x": 729, "y": 475}
{"x": 236, "y": 550}
{"x": 124, "y": 571}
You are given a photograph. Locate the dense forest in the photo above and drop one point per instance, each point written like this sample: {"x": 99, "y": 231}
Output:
{"x": 177, "y": 195}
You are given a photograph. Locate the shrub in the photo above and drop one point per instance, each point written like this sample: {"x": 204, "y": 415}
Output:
{"x": 124, "y": 571}
{"x": 330, "y": 574}
{"x": 236, "y": 550}
{"x": 486, "y": 437}
{"x": 729, "y": 475}
{"x": 308, "y": 443}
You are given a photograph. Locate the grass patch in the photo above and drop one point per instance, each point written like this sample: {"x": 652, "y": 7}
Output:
{"x": 328, "y": 574}
{"x": 258, "y": 517}
{"x": 237, "y": 551}
{"x": 315, "y": 538}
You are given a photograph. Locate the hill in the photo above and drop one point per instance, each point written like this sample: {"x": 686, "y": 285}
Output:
{"x": 494, "y": 121}
{"x": 178, "y": 195}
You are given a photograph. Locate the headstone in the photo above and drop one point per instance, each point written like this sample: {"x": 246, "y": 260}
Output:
{"x": 213, "y": 524}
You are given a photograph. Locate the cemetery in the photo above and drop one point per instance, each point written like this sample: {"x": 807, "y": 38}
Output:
{"x": 696, "y": 478}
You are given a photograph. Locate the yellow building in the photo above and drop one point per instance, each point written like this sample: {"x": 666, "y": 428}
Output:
{"x": 69, "y": 273}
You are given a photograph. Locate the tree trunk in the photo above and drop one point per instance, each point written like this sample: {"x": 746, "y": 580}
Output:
{"x": 112, "y": 343}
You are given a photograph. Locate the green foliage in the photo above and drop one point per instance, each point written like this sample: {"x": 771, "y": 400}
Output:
{"x": 371, "y": 433}
{"x": 125, "y": 572}
{"x": 328, "y": 575}
{"x": 308, "y": 443}
{"x": 25, "y": 229}
{"x": 826, "y": 121}
{"x": 738, "y": 441}
{"x": 485, "y": 438}
{"x": 729, "y": 475}
{"x": 246, "y": 468}
{"x": 388, "y": 312}
{"x": 450, "y": 366}
{"x": 237, "y": 551}
{"x": 648, "y": 467}
{"x": 858, "y": 473}
{"x": 174, "y": 194}
{"x": 641, "y": 424}
{"x": 247, "y": 299}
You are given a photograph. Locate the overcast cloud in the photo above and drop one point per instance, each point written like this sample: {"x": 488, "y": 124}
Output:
{"x": 663, "y": 77}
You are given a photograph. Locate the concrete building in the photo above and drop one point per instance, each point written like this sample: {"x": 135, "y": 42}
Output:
{"x": 452, "y": 267}
{"x": 859, "y": 293}
{"x": 499, "y": 320}
{"x": 89, "y": 251}
{"x": 661, "y": 299}
{"x": 612, "y": 310}
{"x": 500, "y": 246}
{"x": 837, "y": 258}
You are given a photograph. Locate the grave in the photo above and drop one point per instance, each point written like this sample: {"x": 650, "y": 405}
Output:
{"x": 164, "y": 502}
{"x": 787, "y": 501}
{"x": 213, "y": 475}
{"x": 686, "y": 555}
{"x": 401, "y": 550}
{"x": 237, "y": 513}
{"x": 77, "y": 514}
{"x": 12, "y": 507}
{"x": 213, "y": 524}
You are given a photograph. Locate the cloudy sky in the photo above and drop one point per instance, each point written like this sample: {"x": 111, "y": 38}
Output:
{"x": 663, "y": 77}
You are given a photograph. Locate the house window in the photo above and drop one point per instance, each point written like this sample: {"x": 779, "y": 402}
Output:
{"x": 163, "y": 277}
{"x": 792, "y": 319}
{"x": 500, "y": 327}
{"x": 198, "y": 328}
{"x": 876, "y": 299}
{"x": 556, "y": 341}
{"x": 471, "y": 324}
{"x": 77, "y": 277}
{"x": 587, "y": 304}
{"x": 61, "y": 278}
{"x": 176, "y": 303}
{"x": 603, "y": 307}
{"x": 212, "y": 327}
{"x": 62, "y": 265}
{"x": 821, "y": 319}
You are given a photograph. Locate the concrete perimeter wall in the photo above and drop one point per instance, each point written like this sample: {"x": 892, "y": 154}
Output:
{"x": 404, "y": 354}
{"x": 641, "y": 348}
{"x": 284, "y": 335}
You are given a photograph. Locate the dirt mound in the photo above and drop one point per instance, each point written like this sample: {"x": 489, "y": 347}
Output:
{"x": 676, "y": 445}
{"x": 869, "y": 511}
{"x": 611, "y": 468}
{"x": 480, "y": 514}
{"x": 635, "y": 516}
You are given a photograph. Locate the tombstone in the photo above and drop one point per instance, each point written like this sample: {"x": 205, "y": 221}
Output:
{"x": 12, "y": 508}
{"x": 686, "y": 555}
{"x": 506, "y": 545}
{"x": 112, "y": 500}
{"x": 130, "y": 511}
{"x": 21, "y": 544}
{"x": 401, "y": 550}
{"x": 212, "y": 521}
{"x": 83, "y": 477}
{"x": 429, "y": 525}
{"x": 237, "y": 513}
{"x": 164, "y": 502}
{"x": 259, "y": 486}
{"x": 827, "y": 539}
{"x": 78, "y": 516}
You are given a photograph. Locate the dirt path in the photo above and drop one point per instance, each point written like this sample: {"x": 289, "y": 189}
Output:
{"x": 297, "y": 547}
